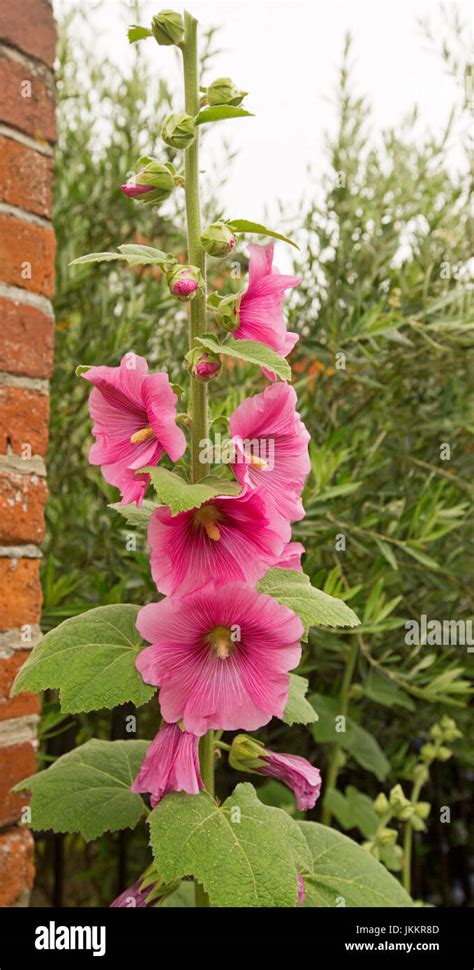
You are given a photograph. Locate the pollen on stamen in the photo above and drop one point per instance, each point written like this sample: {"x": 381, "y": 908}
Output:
{"x": 258, "y": 462}
{"x": 142, "y": 435}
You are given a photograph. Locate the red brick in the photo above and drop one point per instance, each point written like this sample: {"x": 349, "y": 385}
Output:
{"x": 22, "y": 704}
{"x": 25, "y": 177}
{"x": 23, "y": 420}
{"x": 23, "y": 243}
{"x": 33, "y": 114}
{"x": 29, "y": 25}
{"x": 27, "y": 344}
{"x": 17, "y": 761}
{"x": 20, "y": 593}
{"x": 16, "y": 864}
{"x": 22, "y": 501}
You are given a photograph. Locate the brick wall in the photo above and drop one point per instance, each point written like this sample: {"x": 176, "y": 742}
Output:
{"x": 27, "y": 133}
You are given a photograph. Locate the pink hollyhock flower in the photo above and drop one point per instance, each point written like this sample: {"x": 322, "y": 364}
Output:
{"x": 291, "y": 557}
{"x": 227, "y": 539}
{"x": 296, "y": 772}
{"x": 171, "y": 764}
{"x": 134, "y": 415}
{"x": 260, "y": 314}
{"x": 220, "y": 656}
{"x": 271, "y": 443}
{"x": 300, "y": 899}
{"x": 134, "y": 897}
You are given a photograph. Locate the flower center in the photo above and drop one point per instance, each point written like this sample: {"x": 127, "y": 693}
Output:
{"x": 142, "y": 435}
{"x": 220, "y": 642}
{"x": 258, "y": 462}
{"x": 207, "y": 518}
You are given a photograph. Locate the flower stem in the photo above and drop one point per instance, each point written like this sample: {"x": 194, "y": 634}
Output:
{"x": 197, "y": 326}
{"x": 333, "y": 766}
{"x": 408, "y": 839}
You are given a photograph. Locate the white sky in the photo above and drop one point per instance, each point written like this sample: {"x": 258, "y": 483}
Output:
{"x": 287, "y": 56}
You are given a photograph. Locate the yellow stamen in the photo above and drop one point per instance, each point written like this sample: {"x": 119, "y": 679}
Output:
{"x": 258, "y": 462}
{"x": 221, "y": 642}
{"x": 142, "y": 435}
{"x": 208, "y": 517}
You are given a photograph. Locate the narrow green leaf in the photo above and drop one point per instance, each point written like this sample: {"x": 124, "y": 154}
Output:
{"x": 91, "y": 659}
{"x": 88, "y": 789}
{"x": 298, "y": 710}
{"x": 97, "y": 258}
{"x": 180, "y": 496}
{"x": 313, "y": 606}
{"x": 251, "y": 351}
{"x": 147, "y": 254}
{"x": 245, "y": 225}
{"x": 220, "y": 112}
{"x": 243, "y": 853}
{"x": 135, "y": 33}
{"x": 343, "y": 873}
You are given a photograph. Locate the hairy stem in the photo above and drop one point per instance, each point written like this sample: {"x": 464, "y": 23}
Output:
{"x": 197, "y": 326}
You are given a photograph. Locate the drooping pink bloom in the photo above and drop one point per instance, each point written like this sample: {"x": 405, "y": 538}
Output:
{"x": 291, "y": 557}
{"x": 220, "y": 656}
{"x": 260, "y": 313}
{"x": 134, "y": 415}
{"x": 227, "y": 539}
{"x": 294, "y": 771}
{"x": 133, "y": 190}
{"x": 300, "y": 899}
{"x": 271, "y": 444}
{"x": 134, "y": 897}
{"x": 171, "y": 764}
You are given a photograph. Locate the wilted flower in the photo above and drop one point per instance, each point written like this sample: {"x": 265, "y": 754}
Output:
{"x": 220, "y": 656}
{"x": 171, "y": 764}
{"x": 134, "y": 415}
{"x": 248, "y": 754}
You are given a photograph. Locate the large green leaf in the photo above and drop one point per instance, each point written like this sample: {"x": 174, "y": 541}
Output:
{"x": 180, "y": 496}
{"x": 251, "y": 351}
{"x": 243, "y": 853}
{"x": 138, "y": 517}
{"x": 355, "y": 739}
{"x": 88, "y": 790}
{"x": 244, "y": 225}
{"x": 298, "y": 710}
{"x": 353, "y": 810}
{"x": 220, "y": 112}
{"x": 342, "y": 873}
{"x": 313, "y": 606}
{"x": 91, "y": 659}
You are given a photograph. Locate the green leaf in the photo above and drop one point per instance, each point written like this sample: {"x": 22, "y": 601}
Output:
{"x": 220, "y": 112}
{"x": 91, "y": 659}
{"x": 180, "y": 496}
{"x": 132, "y": 254}
{"x": 134, "y": 516}
{"x": 97, "y": 258}
{"x": 353, "y": 810}
{"x": 251, "y": 351}
{"x": 382, "y": 690}
{"x": 183, "y": 896}
{"x": 135, "y": 32}
{"x": 355, "y": 739}
{"x": 313, "y": 606}
{"x": 88, "y": 790}
{"x": 342, "y": 873}
{"x": 298, "y": 710}
{"x": 243, "y": 853}
{"x": 244, "y": 225}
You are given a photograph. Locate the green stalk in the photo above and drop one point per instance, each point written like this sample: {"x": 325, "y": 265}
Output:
{"x": 408, "y": 838}
{"x": 333, "y": 766}
{"x": 197, "y": 326}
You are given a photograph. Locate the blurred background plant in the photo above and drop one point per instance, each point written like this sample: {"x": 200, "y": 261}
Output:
{"x": 381, "y": 370}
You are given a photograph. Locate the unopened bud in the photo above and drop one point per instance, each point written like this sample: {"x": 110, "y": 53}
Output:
{"x": 423, "y": 809}
{"x": 428, "y": 752}
{"x": 387, "y": 837}
{"x": 185, "y": 282}
{"x": 218, "y": 240}
{"x": 381, "y": 805}
{"x": 444, "y": 753}
{"x": 167, "y": 28}
{"x": 153, "y": 182}
{"x": 224, "y": 91}
{"x": 206, "y": 367}
{"x": 178, "y": 130}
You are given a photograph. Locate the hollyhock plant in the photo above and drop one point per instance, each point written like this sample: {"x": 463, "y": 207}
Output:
{"x": 231, "y": 538}
{"x": 291, "y": 557}
{"x": 134, "y": 415}
{"x": 272, "y": 424}
{"x": 220, "y": 656}
{"x": 248, "y": 754}
{"x": 171, "y": 764}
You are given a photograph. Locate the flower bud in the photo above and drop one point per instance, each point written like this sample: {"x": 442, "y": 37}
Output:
{"x": 207, "y": 367}
{"x": 153, "y": 183}
{"x": 178, "y": 130}
{"x": 246, "y": 753}
{"x": 226, "y": 309}
{"x": 380, "y": 805}
{"x": 428, "y": 752}
{"x": 218, "y": 240}
{"x": 387, "y": 837}
{"x": 399, "y": 803}
{"x": 185, "y": 282}
{"x": 167, "y": 28}
{"x": 436, "y": 733}
{"x": 422, "y": 809}
{"x": 224, "y": 91}
{"x": 444, "y": 754}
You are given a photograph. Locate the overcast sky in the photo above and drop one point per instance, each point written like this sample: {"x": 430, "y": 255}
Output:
{"x": 286, "y": 54}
